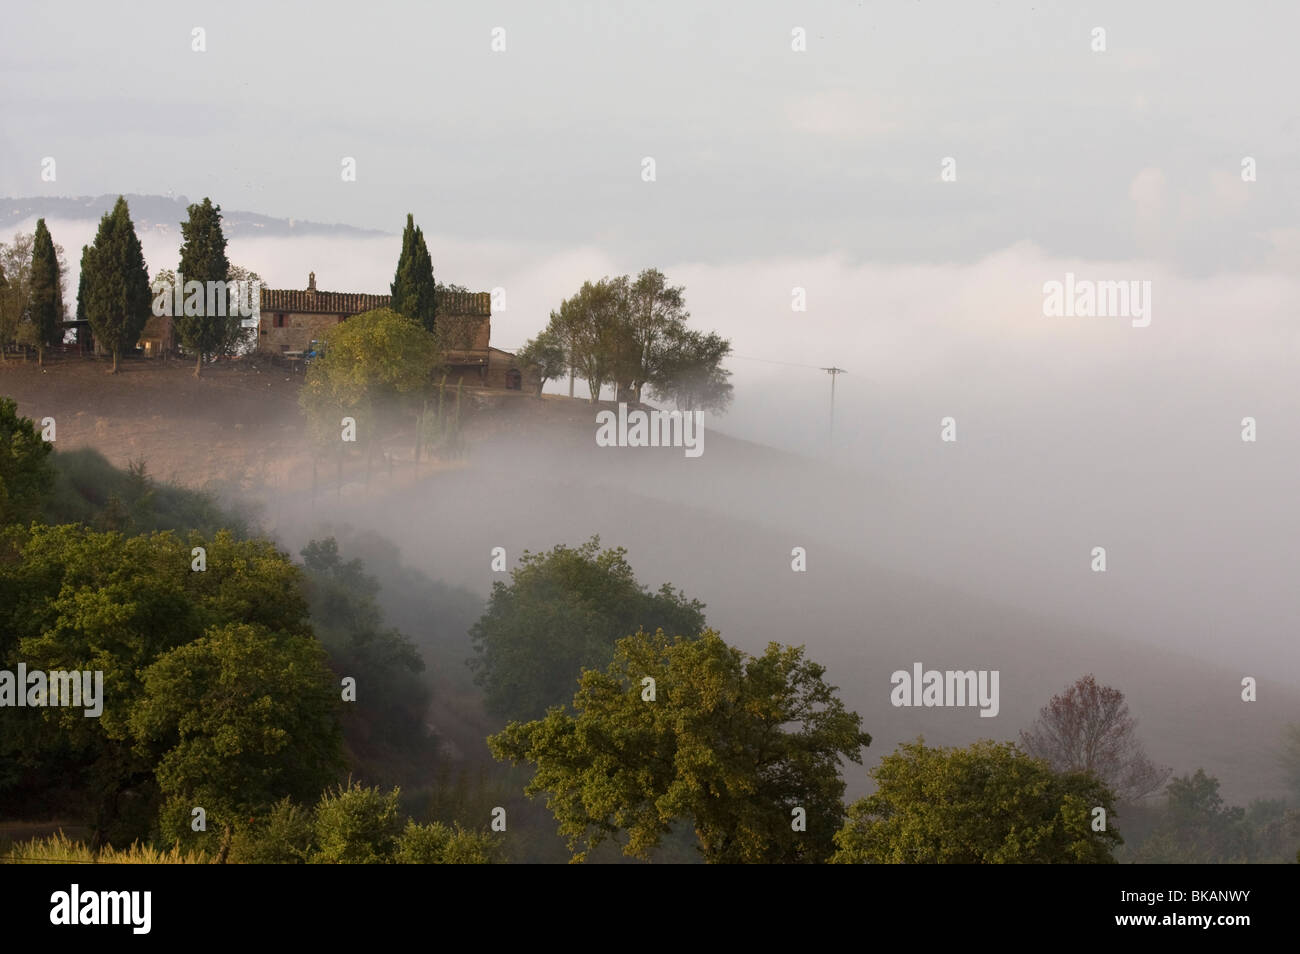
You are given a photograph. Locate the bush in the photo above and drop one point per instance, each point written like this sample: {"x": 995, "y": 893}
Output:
{"x": 438, "y": 844}
{"x": 356, "y": 825}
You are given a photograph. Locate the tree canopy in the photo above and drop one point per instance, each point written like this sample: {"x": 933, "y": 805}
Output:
{"x": 563, "y": 611}
{"x": 371, "y": 362}
{"x": 1088, "y": 728}
{"x": 744, "y": 748}
{"x": 414, "y": 291}
{"x": 45, "y": 306}
{"x": 213, "y": 327}
{"x": 117, "y": 299}
{"x": 26, "y": 474}
{"x": 989, "y": 803}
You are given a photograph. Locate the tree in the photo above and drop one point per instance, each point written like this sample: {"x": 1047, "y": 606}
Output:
{"x": 546, "y": 356}
{"x": 734, "y": 744}
{"x": 46, "y": 301}
{"x": 590, "y": 324}
{"x": 655, "y": 313}
{"x": 1198, "y": 827}
{"x": 343, "y": 600}
{"x": 236, "y": 720}
{"x": 414, "y": 292}
{"x": 689, "y": 372}
{"x": 1088, "y": 729}
{"x": 562, "y": 612}
{"x": 117, "y": 295}
{"x": 26, "y": 475}
{"x": 208, "y": 326}
{"x": 989, "y": 803}
{"x": 75, "y": 598}
{"x": 15, "y": 297}
{"x": 373, "y": 363}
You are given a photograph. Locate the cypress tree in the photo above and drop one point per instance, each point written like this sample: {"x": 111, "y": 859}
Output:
{"x": 413, "y": 288}
{"x": 116, "y": 292}
{"x": 203, "y": 260}
{"x": 82, "y": 336}
{"x": 46, "y": 302}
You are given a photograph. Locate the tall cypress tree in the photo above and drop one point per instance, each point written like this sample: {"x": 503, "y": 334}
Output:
{"x": 46, "y": 302}
{"x": 116, "y": 289}
{"x": 204, "y": 328}
{"x": 413, "y": 288}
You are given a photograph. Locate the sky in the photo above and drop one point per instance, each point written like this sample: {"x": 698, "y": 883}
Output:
{"x": 1169, "y": 157}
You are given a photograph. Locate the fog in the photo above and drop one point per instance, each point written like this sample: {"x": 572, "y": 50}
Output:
{"x": 1071, "y": 433}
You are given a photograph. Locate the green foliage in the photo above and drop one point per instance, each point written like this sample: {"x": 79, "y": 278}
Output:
{"x": 414, "y": 292}
{"x": 438, "y": 844}
{"x": 26, "y": 474}
{"x": 689, "y": 371}
{"x": 72, "y": 598}
{"x": 590, "y": 324}
{"x": 356, "y": 825}
{"x": 390, "y": 728}
{"x": 88, "y": 489}
{"x": 280, "y": 836}
{"x": 989, "y": 803}
{"x": 59, "y": 849}
{"x": 653, "y": 313}
{"x": 732, "y": 743}
{"x": 235, "y": 720}
{"x": 1198, "y": 827}
{"x": 632, "y": 332}
{"x": 117, "y": 298}
{"x": 46, "y": 302}
{"x": 217, "y": 330}
{"x": 546, "y": 356}
{"x": 371, "y": 361}
{"x": 562, "y": 612}
{"x": 16, "y": 289}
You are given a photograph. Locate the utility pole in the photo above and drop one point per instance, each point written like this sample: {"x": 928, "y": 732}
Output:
{"x": 834, "y": 373}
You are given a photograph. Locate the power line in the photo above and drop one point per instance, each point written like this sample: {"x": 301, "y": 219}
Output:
{"x": 834, "y": 373}
{"x": 791, "y": 364}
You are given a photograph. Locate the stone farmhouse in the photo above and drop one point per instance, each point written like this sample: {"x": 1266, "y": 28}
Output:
{"x": 291, "y": 319}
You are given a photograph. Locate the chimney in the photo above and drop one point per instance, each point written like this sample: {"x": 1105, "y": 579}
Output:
{"x": 311, "y": 281}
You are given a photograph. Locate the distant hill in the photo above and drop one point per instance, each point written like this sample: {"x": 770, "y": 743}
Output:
{"x": 161, "y": 213}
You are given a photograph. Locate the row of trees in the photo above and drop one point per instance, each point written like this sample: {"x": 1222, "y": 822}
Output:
{"x": 632, "y": 333}
{"x": 672, "y": 726}
{"x": 222, "y": 662}
{"x": 31, "y": 291}
{"x": 114, "y": 293}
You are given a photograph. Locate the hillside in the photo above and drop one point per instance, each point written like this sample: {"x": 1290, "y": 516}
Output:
{"x": 721, "y": 527}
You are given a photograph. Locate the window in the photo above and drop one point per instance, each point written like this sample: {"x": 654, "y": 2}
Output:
{"x": 279, "y": 319}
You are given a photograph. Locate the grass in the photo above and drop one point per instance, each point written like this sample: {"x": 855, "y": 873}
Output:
{"x": 60, "y": 849}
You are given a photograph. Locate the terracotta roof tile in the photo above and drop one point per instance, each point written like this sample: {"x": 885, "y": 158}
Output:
{"x": 353, "y": 303}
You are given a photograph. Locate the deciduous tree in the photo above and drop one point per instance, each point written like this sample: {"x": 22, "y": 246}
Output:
{"x": 747, "y": 749}
{"x": 563, "y": 611}
{"x": 989, "y": 803}
{"x": 1088, "y": 728}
